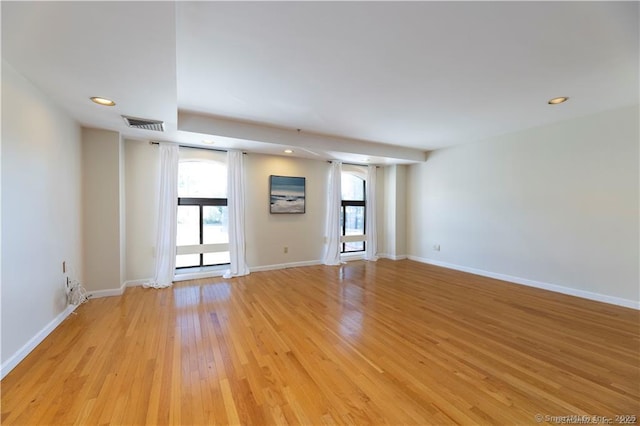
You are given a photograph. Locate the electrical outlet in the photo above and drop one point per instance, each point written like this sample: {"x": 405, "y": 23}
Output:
{"x": 436, "y": 247}
{"x": 286, "y": 250}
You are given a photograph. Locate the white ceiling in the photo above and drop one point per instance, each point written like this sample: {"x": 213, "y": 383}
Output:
{"x": 383, "y": 81}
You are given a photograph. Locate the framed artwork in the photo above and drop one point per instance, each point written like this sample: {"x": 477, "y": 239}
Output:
{"x": 287, "y": 194}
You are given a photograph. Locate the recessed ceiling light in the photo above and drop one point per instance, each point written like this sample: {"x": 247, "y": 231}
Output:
{"x": 556, "y": 101}
{"x": 208, "y": 141}
{"x": 102, "y": 101}
{"x": 288, "y": 151}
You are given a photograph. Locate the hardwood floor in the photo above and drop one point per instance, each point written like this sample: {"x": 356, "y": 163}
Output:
{"x": 366, "y": 343}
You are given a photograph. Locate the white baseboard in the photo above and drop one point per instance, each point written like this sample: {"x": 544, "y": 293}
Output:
{"x": 107, "y": 293}
{"x": 117, "y": 291}
{"x": 613, "y": 300}
{"x": 218, "y": 273}
{"x": 137, "y": 283}
{"x": 199, "y": 275}
{"x": 348, "y": 257}
{"x": 284, "y": 265}
{"x": 392, "y": 256}
{"x": 22, "y": 353}
{"x": 344, "y": 258}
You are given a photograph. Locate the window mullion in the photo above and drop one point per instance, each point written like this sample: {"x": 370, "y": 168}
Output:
{"x": 344, "y": 225}
{"x": 201, "y": 233}
{"x": 352, "y": 211}
{"x": 201, "y": 183}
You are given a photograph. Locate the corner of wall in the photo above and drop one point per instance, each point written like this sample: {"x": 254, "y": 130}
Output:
{"x": 102, "y": 210}
{"x": 46, "y": 230}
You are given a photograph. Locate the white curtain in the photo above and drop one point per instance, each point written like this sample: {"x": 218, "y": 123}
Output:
{"x": 235, "y": 207}
{"x": 371, "y": 228}
{"x": 167, "y": 217}
{"x": 332, "y": 226}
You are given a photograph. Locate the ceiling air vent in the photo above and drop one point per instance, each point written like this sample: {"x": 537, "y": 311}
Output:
{"x": 143, "y": 123}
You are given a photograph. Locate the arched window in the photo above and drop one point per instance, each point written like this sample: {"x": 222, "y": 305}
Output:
{"x": 353, "y": 217}
{"x": 203, "y": 235}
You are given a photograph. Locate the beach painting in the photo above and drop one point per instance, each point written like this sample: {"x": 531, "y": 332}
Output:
{"x": 287, "y": 194}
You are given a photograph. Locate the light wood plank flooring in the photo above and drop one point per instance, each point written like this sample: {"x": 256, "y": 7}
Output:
{"x": 365, "y": 343}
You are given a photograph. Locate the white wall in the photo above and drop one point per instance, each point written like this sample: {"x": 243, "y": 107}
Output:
{"x": 267, "y": 234}
{"x": 122, "y": 211}
{"x": 556, "y": 205}
{"x": 381, "y": 176}
{"x": 142, "y": 164}
{"x": 401, "y": 210}
{"x": 41, "y": 211}
{"x": 395, "y": 212}
{"x": 101, "y": 174}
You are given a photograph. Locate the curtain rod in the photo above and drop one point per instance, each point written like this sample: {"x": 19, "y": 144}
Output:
{"x": 224, "y": 150}
{"x": 195, "y": 147}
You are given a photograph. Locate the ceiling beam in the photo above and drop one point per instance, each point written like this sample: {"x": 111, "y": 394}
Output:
{"x": 225, "y": 127}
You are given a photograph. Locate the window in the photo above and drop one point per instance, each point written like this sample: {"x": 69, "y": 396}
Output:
{"x": 352, "y": 218}
{"x": 203, "y": 236}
